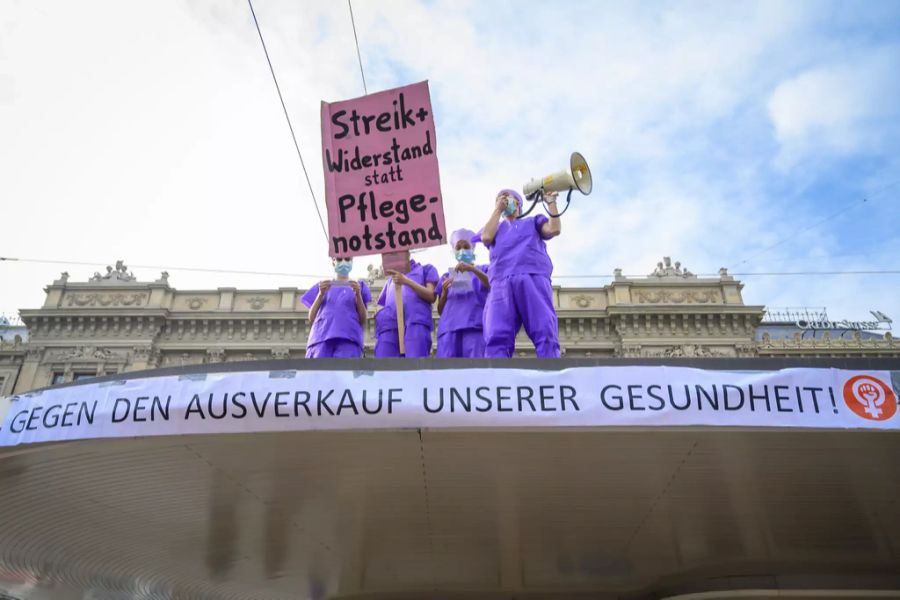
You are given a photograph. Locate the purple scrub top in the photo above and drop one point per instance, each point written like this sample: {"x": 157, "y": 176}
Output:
{"x": 464, "y": 308}
{"x": 519, "y": 247}
{"x": 415, "y": 310}
{"x": 337, "y": 318}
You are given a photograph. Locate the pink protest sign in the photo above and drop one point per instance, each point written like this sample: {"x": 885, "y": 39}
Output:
{"x": 382, "y": 186}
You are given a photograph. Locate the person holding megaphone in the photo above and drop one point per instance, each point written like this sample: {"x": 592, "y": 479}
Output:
{"x": 520, "y": 268}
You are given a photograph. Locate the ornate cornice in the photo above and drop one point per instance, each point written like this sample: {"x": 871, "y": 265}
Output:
{"x": 106, "y": 299}
{"x": 257, "y": 302}
{"x": 678, "y": 297}
{"x": 828, "y": 344}
{"x": 689, "y": 351}
{"x": 84, "y": 354}
{"x": 196, "y": 302}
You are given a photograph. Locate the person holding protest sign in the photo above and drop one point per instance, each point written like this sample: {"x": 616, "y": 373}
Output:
{"x": 463, "y": 291}
{"x": 521, "y": 292}
{"x": 337, "y": 310}
{"x": 418, "y": 285}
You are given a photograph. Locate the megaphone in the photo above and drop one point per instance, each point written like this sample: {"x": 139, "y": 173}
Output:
{"x": 576, "y": 177}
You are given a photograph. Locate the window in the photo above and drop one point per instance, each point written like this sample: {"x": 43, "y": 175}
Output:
{"x": 2, "y": 383}
{"x": 83, "y": 376}
{"x": 57, "y": 378}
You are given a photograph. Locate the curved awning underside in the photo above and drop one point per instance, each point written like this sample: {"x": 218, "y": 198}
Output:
{"x": 476, "y": 513}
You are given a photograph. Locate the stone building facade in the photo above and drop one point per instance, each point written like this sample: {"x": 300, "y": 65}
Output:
{"x": 114, "y": 323}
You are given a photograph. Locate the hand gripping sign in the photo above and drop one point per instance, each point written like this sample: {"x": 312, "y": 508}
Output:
{"x": 382, "y": 186}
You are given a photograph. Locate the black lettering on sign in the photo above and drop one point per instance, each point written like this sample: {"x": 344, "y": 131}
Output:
{"x": 726, "y": 398}
{"x": 618, "y": 403}
{"x": 391, "y": 240}
{"x": 72, "y": 414}
{"x": 281, "y": 404}
{"x": 439, "y": 401}
{"x": 304, "y": 403}
{"x": 347, "y": 403}
{"x": 661, "y": 403}
{"x": 401, "y": 117}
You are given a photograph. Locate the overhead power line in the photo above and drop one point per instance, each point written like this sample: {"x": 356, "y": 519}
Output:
{"x": 166, "y": 268}
{"x": 327, "y": 275}
{"x": 836, "y": 214}
{"x": 749, "y": 274}
{"x": 288, "y": 119}
{"x": 358, "y": 53}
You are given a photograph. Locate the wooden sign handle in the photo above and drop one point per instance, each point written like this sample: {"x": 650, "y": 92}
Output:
{"x": 401, "y": 326}
{"x": 399, "y": 262}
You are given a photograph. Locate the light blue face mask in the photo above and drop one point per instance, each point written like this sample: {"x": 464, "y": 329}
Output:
{"x": 511, "y": 206}
{"x": 343, "y": 267}
{"x": 466, "y": 255}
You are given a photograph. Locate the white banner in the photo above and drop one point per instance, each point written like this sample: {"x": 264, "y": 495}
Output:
{"x": 454, "y": 398}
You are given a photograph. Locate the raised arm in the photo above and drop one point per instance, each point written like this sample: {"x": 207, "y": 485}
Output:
{"x": 490, "y": 228}
{"x": 553, "y": 226}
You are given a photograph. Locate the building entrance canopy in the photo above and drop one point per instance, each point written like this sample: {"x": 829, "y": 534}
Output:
{"x": 420, "y": 512}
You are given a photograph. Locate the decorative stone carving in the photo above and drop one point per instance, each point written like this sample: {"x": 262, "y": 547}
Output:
{"x": 746, "y": 350}
{"x": 630, "y": 351}
{"x": 141, "y": 353}
{"x": 281, "y": 353}
{"x": 117, "y": 299}
{"x": 665, "y": 269}
{"x": 689, "y": 351}
{"x": 582, "y": 300}
{"x": 85, "y": 353}
{"x": 154, "y": 359}
{"x": 163, "y": 278}
{"x": 257, "y": 302}
{"x": 806, "y": 346}
{"x": 63, "y": 278}
{"x": 375, "y": 274}
{"x": 215, "y": 355}
{"x": 196, "y": 302}
{"x": 677, "y": 297}
{"x": 34, "y": 353}
{"x": 119, "y": 274}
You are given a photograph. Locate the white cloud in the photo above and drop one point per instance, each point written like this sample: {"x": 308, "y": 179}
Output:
{"x": 160, "y": 139}
{"x": 844, "y": 107}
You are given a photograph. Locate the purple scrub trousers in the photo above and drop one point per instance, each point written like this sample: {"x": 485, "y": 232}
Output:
{"x": 521, "y": 292}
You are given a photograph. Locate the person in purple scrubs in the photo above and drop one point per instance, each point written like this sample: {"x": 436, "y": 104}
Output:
{"x": 418, "y": 296}
{"x": 337, "y": 310}
{"x": 521, "y": 293}
{"x": 464, "y": 290}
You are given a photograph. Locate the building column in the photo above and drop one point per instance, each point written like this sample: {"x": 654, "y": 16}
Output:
{"x": 29, "y": 371}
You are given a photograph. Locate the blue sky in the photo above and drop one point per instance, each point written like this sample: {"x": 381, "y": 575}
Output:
{"x": 714, "y": 130}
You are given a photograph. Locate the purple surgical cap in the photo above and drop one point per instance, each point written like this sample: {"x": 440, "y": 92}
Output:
{"x": 461, "y": 234}
{"x": 515, "y": 195}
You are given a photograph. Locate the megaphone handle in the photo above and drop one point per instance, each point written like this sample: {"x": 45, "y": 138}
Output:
{"x": 536, "y": 197}
{"x": 563, "y": 211}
